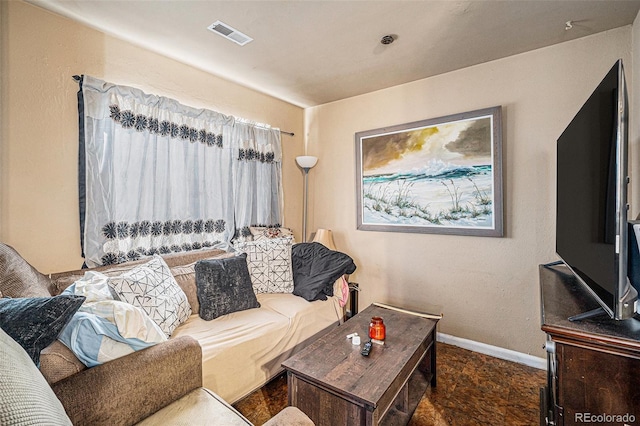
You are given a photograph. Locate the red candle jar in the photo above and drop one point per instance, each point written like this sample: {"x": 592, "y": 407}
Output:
{"x": 377, "y": 329}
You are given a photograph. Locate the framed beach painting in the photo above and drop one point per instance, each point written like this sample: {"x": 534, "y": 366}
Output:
{"x": 441, "y": 175}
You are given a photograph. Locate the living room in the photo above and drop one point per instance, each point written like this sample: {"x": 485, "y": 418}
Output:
{"x": 487, "y": 288}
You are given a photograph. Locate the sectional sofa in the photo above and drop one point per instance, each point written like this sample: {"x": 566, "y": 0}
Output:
{"x": 240, "y": 351}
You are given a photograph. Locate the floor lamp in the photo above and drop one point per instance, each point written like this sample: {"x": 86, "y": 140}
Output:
{"x": 306, "y": 163}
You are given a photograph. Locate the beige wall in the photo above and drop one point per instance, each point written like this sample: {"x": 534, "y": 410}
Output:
{"x": 40, "y": 53}
{"x": 487, "y": 288}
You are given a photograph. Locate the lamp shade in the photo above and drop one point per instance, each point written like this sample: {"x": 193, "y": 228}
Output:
{"x": 306, "y": 161}
{"x": 325, "y": 237}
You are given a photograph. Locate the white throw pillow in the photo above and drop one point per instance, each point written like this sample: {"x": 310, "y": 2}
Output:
{"x": 269, "y": 262}
{"x": 152, "y": 287}
{"x": 93, "y": 285}
{"x": 25, "y": 396}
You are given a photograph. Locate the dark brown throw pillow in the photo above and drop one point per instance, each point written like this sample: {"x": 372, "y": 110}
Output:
{"x": 224, "y": 286}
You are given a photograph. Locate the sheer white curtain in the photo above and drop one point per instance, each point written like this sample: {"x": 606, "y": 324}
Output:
{"x": 157, "y": 176}
{"x": 258, "y": 171}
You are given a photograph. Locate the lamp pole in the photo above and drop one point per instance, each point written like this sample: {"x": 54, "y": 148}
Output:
{"x": 306, "y": 163}
{"x": 304, "y": 212}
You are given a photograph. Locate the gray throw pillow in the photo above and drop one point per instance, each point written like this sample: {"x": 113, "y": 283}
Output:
{"x": 18, "y": 278}
{"x": 224, "y": 286}
{"x": 25, "y": 396}
{"x": 36, "y": 322}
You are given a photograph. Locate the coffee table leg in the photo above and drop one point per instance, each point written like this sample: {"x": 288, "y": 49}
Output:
{"x": 291, "y": 397}
{"x": 433, "y": 360}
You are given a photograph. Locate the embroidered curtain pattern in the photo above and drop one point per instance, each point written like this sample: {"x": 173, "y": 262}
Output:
{"x": 157, "y": 176}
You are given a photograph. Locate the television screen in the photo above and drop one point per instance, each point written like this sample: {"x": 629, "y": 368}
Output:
{"x": 591, "y": 192}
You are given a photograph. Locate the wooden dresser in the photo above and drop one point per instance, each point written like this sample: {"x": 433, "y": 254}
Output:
{"x": 593, "y": 366}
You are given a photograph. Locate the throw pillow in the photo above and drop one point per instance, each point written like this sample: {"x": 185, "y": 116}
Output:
{"x": 185, "y": 276}
{"x": 224, "y": 286}
{"x": 269, "y": 262}
{"x": 151, "y": 286}
{"x": 37, "y": 322}
{"x": 316, "y": 268}
{"x": 18, "y": 278}
{"x": 264, "y": 233}
{"x": 25, "y": 396}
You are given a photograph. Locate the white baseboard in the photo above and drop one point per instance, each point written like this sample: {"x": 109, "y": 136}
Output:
{"x": 495, "y": 351}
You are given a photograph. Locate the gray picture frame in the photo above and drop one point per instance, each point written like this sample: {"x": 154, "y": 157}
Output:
{"x": 439, "y": 176}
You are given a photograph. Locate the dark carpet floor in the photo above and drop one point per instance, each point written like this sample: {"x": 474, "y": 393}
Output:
{"x": 473, "y": 389}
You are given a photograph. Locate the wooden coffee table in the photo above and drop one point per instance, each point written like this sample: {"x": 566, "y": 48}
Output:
{"x": 334, "y": 384}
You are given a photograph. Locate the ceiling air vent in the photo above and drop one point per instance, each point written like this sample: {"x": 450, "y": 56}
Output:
{"x": 229, "y": 33}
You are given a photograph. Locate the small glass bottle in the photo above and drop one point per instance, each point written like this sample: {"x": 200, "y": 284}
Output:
{"x": 377, "y": 329}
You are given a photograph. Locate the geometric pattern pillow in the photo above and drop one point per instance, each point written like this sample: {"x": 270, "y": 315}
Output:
{"x": 269, "y": 262}
{"x": 151, "y": 286}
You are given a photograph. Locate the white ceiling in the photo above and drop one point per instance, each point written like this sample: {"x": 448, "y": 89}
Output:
{"x": 313, "y": 52}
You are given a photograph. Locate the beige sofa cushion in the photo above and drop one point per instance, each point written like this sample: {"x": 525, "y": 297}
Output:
{"x": 62, "y": 280}
{"x": 252, "y": 344}
{"x": 57, "y": 362}
{"x": 203, "y": 407}
{"x": 185, "y": 277}
{"x": 290, "y": 416}
{"x": 199, "y": 407}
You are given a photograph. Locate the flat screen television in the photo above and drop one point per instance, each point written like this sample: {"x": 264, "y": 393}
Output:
{"x": 591, "y": 197}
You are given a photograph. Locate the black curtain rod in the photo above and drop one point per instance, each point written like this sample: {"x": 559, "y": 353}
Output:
{"x": 77, "y": 78}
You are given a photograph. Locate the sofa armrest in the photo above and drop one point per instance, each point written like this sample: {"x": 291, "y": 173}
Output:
{"x": 128, "y": 389}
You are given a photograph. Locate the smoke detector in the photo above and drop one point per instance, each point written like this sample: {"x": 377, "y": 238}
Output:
{"x": 230, "y": 33}
{"x": 388, "y": 39}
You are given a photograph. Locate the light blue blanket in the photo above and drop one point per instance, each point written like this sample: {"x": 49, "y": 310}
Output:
{"x": 104, "y": 329}
{"x": 85, "y": 336}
